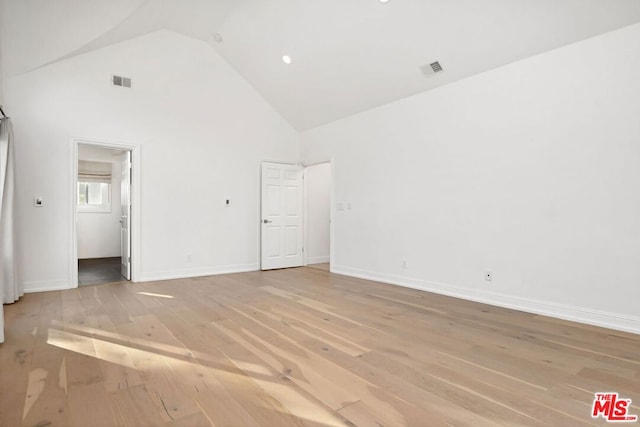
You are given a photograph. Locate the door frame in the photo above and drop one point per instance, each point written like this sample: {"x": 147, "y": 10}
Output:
{"x": 306, "y": 213}
{"x": 134, "y": 231}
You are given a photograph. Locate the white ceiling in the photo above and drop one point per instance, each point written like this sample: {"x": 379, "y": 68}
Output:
{"x": 348, "y": 55}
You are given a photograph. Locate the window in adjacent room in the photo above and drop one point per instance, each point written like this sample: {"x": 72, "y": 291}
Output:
{"x": 94, "y": 186}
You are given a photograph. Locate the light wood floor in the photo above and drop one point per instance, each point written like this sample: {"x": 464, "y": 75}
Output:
{"x": 323, "y": 266}
{"x": 299, "y": 347}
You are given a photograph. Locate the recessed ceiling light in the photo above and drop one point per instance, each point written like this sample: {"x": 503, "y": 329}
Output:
{"x": 383, "y": 1}
{"x": 286, "y": 59}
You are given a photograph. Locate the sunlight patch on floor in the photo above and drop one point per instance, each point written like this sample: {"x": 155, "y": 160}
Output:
{"x": 151, "y": 294}
{"x": 34, "y": 389}
{"x": 291, "y": 398}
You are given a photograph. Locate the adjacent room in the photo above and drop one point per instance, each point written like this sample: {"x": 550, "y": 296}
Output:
{"x": 99, "y": 218}
{"x": 335, "y": 213}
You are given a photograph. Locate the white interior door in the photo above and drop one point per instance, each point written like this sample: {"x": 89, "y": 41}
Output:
{"x": 281, "y": 222}
{"x": 125, "y": 217}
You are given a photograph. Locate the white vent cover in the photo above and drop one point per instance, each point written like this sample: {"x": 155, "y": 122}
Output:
{"x": 431, "y": 69}
{"x": 121, "y": 81}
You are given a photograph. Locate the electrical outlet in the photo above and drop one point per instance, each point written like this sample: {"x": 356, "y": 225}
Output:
{"x": 404, "y": 264}
{"x": 188, "y": 257}
{"x": 488, "y": 276}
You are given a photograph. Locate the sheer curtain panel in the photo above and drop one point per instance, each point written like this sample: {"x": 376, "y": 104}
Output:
{"x": 10, "y": 290}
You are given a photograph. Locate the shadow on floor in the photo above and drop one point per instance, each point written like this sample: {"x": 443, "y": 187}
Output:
{"x": 95, "y": 271}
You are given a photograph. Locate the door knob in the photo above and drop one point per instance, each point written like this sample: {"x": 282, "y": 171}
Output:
{"x": 266, "y": 221}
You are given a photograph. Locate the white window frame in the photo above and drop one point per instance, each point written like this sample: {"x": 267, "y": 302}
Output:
{"x": 105, "y": 207}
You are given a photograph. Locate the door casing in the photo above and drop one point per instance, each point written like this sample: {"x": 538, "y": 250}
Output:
{"x": 125, "y": 216}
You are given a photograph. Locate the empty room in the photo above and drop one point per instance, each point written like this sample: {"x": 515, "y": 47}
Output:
{"x": 319, "y": 213}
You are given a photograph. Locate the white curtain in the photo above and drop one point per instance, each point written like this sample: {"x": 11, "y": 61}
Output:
{"x": 10, "y": 290}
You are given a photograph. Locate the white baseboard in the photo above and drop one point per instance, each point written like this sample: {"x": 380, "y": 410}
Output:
{"x": 545, "y": 308}
{"x": 318, "y": 259}
{"x": 47, "y": 285}
{"x": 197, "y": 272}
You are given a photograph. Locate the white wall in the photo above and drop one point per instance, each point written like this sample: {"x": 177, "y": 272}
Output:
{"x": 318, "y": 187}
{"x": 202, "y": 131}
{"x": 98, "y": 233}
{"x": 530, "y": 171}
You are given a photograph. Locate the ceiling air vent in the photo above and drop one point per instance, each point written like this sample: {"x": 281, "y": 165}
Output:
{"x": 436, "y": 67}
{"x": 121, "y": 81}
{"x": 431, "y": 69}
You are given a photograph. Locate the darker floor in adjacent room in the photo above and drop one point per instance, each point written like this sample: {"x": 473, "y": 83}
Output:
{"x": 95, "y": 271}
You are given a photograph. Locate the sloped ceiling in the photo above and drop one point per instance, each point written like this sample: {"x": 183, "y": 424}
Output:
{"x": 347, "y": 55}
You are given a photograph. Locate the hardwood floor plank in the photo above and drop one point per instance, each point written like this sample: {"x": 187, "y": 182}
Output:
{"x": 435, "y": 408}
{"x": 16, "y": 355}
{"x": 135, "y": 407}
{"x": 288, "y": 404}
{"x": 90, "y": 404}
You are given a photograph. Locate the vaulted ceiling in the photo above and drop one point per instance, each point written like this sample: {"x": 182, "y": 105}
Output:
{"x": 346, "y": 56}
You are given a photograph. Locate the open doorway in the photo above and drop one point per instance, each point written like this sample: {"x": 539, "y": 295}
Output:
{"x": 318, "y": 215}
{"x": 102, "y": 214}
